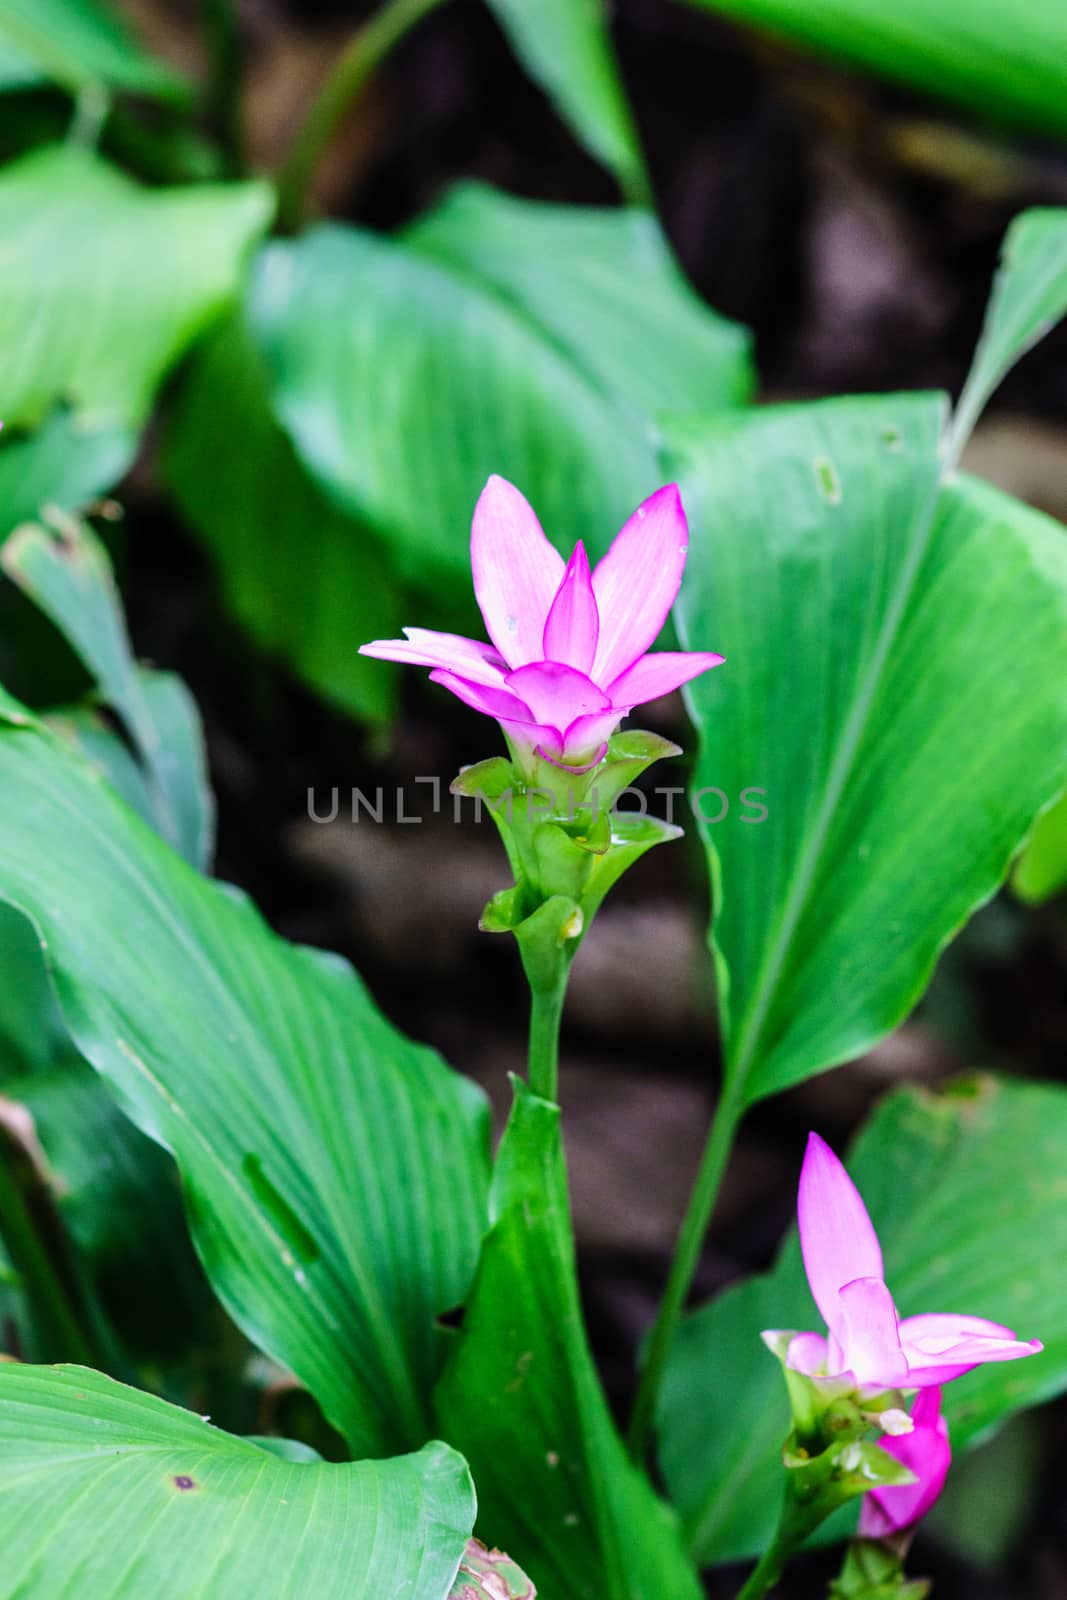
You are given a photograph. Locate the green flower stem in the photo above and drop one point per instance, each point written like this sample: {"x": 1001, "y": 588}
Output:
{"x": 50, "y": 1298}
{"x": 800, "y": 1515}
{"x": 546, "y": 1009}
{"x": 686, "y": 1257}
{"x": 767, "y": 1573}
{"x": 360, "y": 59}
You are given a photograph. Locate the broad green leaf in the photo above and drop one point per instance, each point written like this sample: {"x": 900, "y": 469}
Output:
{"x": 335, "y": 1174}
{"x": 966, "y": 1191}
{"x": 61, "y": 464}
{"x": 179, "y": 769}
{"x": 67, "y": 573}
{"x": 110, "y": 1492}
{"x": 604, "y": 285}
{"x": 521, "y": 1398}
{"x": 1004, "y": 63}
{"x": 306, "y": 579}
{"x": 80, "y": 44}
{"x": 1029, "y": 297}
{"x": 1041, "y": 870}
{"x": 896, "y": 683}
{"x": 406, "y": 372}
{"x": 103, "y": 284}
{"x": 566, "y": 46}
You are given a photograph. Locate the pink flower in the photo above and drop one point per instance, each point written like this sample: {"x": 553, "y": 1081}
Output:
{"x": 867, "y": 1340}
{"x": 568, "y": 659}
{"x": 925, "y": 1452}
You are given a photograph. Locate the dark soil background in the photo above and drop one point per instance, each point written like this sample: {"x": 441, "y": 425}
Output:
{"x": 855, "y": 228}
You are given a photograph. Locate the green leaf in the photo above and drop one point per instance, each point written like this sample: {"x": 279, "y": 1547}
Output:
{"x": 17, "y": 69}
{"x": 1029, "y": 297}
{"x": 307, "y": 580}
{"x": 62, "y": 464}
{"x": 118, "y": 1195}
{"x": 603, "y": 285}
{"x": 110, "y": 1492}
{"x": 965, "y": 1189}
{"x": 67, "y": 573}
{"x": 31, "y": 1032}
{"x": 335, "y": 1174}
{"x": 80, "y": 44}
{"x": 521, "y": 1398}
{"x": 1041, "y": 870}
{"x": 103, "y": 284}
{"x": 1005, "y": 64}
{"x": 566, "y": 47}
{"x": 287, "y": 1449}
{"x": 986, "y": 1507}
{"x": 512, "y": 357}
{"x": 905, "y": 753}
{"x": 115, "y": 1190}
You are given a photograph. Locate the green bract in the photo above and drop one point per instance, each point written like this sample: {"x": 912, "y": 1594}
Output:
{"x": 565, "y": 843}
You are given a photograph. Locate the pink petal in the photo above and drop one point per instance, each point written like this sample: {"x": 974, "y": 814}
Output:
{"x": 556, "y": 693}
{"x": 654, "y": 675}
{"x": 636, "y": 582}
{"x": 526, "y": 733}
{"x": 837, "y": 1239}
{"x": 940, "y": 1329}
{"x": 926, "y": 1410}
{"x": 516, "y": 571}
{"x": 573, "y": 623}
{"x": 532, "y": 738}
{"x": 484, "y": 697}
{"x": 871, "y": 1342}
{"x": 943, "y": 1345}
{"x": 807, "y": 1353}
{"x": 424, "y": 648}
{"x": 925, "y": 1452}
{"x": 584, "y": 742}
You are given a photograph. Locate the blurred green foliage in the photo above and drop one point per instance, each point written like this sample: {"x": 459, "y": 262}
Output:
{"x": 1005, "y": 64}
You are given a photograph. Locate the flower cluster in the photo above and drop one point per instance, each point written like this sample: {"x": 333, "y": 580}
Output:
{"x": 870, "y": 1349}
{"x": 866, "y": 1340}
